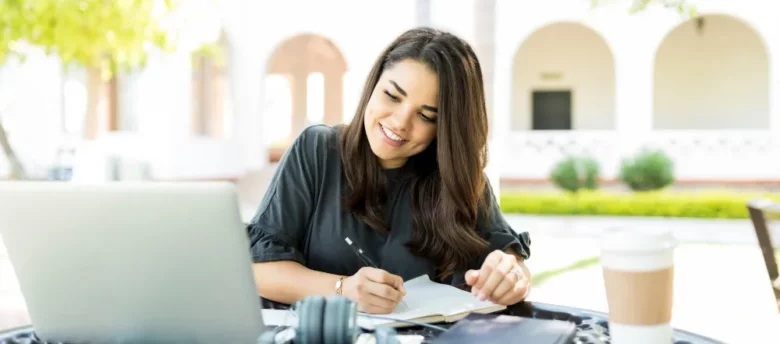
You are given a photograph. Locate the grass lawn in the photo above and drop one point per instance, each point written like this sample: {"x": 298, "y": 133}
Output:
{"x": 541, "y": 277}
{"x": 699, "y": 204}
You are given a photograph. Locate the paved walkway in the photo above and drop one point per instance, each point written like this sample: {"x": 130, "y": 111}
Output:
{"x": 720, "y": 291}
{"x": 711, "y": 231}
{"x": 721, "y": 286}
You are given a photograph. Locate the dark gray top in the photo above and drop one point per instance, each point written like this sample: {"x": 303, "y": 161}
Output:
{"x": 301, "y": 218}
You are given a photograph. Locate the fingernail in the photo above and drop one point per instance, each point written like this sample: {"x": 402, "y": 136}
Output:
{"x": 481, "y": 297}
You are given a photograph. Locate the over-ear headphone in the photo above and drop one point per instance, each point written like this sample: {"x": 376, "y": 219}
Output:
{"x": 326, "y": 320}
{"x": 331, "y": 320}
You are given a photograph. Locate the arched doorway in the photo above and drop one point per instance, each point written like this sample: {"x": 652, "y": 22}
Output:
{"x": 563, "y": 78}
{"x": 711, "y": 72}
{"x": 312, "y": 69}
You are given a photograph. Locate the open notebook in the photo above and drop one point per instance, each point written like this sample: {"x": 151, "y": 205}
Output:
{"x": 431, "y": 302}
{"x": 427, "y": 301}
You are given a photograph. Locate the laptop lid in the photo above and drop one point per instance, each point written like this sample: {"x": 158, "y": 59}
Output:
{"x": 132, "y": 262}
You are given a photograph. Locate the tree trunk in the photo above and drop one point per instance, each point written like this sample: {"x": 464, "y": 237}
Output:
{"x": 94, "y": 97}
{"x": 17, "y": 171}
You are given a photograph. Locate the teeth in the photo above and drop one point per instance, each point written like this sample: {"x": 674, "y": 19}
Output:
{"x": 391, "y": 134}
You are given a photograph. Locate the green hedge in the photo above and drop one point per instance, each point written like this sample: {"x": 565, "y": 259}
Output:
{"x": 712, "y": 204}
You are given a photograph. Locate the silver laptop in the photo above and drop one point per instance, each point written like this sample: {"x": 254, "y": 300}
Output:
{"x": 132, "y": 262}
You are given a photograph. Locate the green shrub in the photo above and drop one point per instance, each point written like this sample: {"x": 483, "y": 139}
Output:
{"x": 576, "y": 173}
{"x": 727, "y": 205}
{"x": 648, "y": 170}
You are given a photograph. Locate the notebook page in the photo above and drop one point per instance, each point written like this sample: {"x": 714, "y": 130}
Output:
{"x": 425, "y": 298}
{"x": 279, "y": 317}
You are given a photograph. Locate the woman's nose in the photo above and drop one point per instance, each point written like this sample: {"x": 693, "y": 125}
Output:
{"x": 402, "y": 118}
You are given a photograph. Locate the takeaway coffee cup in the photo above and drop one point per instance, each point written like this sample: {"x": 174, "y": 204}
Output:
{"x": 638, "y": 269}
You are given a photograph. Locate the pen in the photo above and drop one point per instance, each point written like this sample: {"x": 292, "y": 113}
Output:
{"x": 359, "y": 252}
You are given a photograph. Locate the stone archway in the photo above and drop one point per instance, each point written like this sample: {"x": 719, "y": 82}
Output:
{"x": 297, "y": 58}
{"x": 565, "y": 69}
{"x": 711, "y": 72}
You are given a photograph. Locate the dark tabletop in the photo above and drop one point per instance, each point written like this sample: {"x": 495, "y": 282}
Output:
{"x": 592, "y": 327}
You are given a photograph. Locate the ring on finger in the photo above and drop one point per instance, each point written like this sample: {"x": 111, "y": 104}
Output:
{"x": 518, "y": 273}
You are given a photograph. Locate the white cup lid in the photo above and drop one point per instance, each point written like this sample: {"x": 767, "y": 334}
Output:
{"x": 627, "y": 239}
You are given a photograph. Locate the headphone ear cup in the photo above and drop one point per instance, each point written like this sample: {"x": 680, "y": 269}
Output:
{"x": 332, "y": 326}
{"x": 349, "y": 314}
{"x": 301, "y": 309}
{"x": 310, "y": 320}
{"x": 340, "y": 321}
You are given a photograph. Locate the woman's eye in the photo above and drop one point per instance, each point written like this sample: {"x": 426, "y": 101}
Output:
{"x": 394, "y": 98}
{"x": 427, "y": 119}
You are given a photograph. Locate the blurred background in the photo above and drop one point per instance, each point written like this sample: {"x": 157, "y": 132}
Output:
{"x": 602, "y": 113}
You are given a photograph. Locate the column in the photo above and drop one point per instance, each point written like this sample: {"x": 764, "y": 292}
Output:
{"x": 128, "y": 98}
{"x": 484, "y": 38}
{"x": 423, "y": 12}
{"x": 484, "y": 45}
{"x": 633, "y": 87}
{"x": 298, "y": 87}
{"x": 634, "y": 58}
{"x": 334, "y": 98}
{"x": 247, "y": 91}
{"x": 634, "y": 49}
{"x": 168, "y": 93}
{"x": 773, "y": 49}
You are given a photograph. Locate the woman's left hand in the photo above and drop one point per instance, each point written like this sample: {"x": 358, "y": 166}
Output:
{"x": 502, "y": 279}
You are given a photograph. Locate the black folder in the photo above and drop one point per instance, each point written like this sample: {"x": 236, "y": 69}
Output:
{"x": 505, "y": 329}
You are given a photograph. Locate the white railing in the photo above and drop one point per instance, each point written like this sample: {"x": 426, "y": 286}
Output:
{"x": 697, "y": 154}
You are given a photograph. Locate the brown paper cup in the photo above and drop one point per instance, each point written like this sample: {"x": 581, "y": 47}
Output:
{"x": 638, "y": 269}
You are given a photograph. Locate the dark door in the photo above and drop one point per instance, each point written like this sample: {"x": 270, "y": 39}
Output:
{"x": 552, "y": 110}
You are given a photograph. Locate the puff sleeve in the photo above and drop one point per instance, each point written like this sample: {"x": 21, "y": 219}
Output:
{"x": 279, "y": 227}
{"x": 493, "y": 227}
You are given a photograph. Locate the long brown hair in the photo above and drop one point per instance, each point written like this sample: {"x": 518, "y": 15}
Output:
{"x": 447, "y": 182}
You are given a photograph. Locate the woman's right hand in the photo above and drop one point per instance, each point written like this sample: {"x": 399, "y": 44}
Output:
{"x": 374, "y": 290}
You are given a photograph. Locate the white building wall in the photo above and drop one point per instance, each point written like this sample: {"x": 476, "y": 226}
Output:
{"x": 565, "y": 56}
{"x": 454, "y": 16}
{"x": 634, "y": 41}
{"x": 343, "y": 22}
{"x": 645, "y": 97}
{"x": 715, "y": 77}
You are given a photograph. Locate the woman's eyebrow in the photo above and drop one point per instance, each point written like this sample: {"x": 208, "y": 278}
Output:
{"x": 402, "y": 92}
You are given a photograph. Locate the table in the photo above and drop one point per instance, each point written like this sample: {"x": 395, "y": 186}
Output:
{"x": 592, "y": 327}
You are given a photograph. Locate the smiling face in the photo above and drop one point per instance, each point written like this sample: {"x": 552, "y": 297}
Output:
{"x": 400, "y": 117}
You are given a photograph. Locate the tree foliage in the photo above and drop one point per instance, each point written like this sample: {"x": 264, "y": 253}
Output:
{"x": 104, "y": 36}
{"x": 110, "y": 35}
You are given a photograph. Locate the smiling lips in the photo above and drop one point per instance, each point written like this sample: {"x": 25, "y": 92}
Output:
{"x": 391, "y": 138}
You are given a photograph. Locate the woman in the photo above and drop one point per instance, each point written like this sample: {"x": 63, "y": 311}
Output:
{"x": 403, "y": 181}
